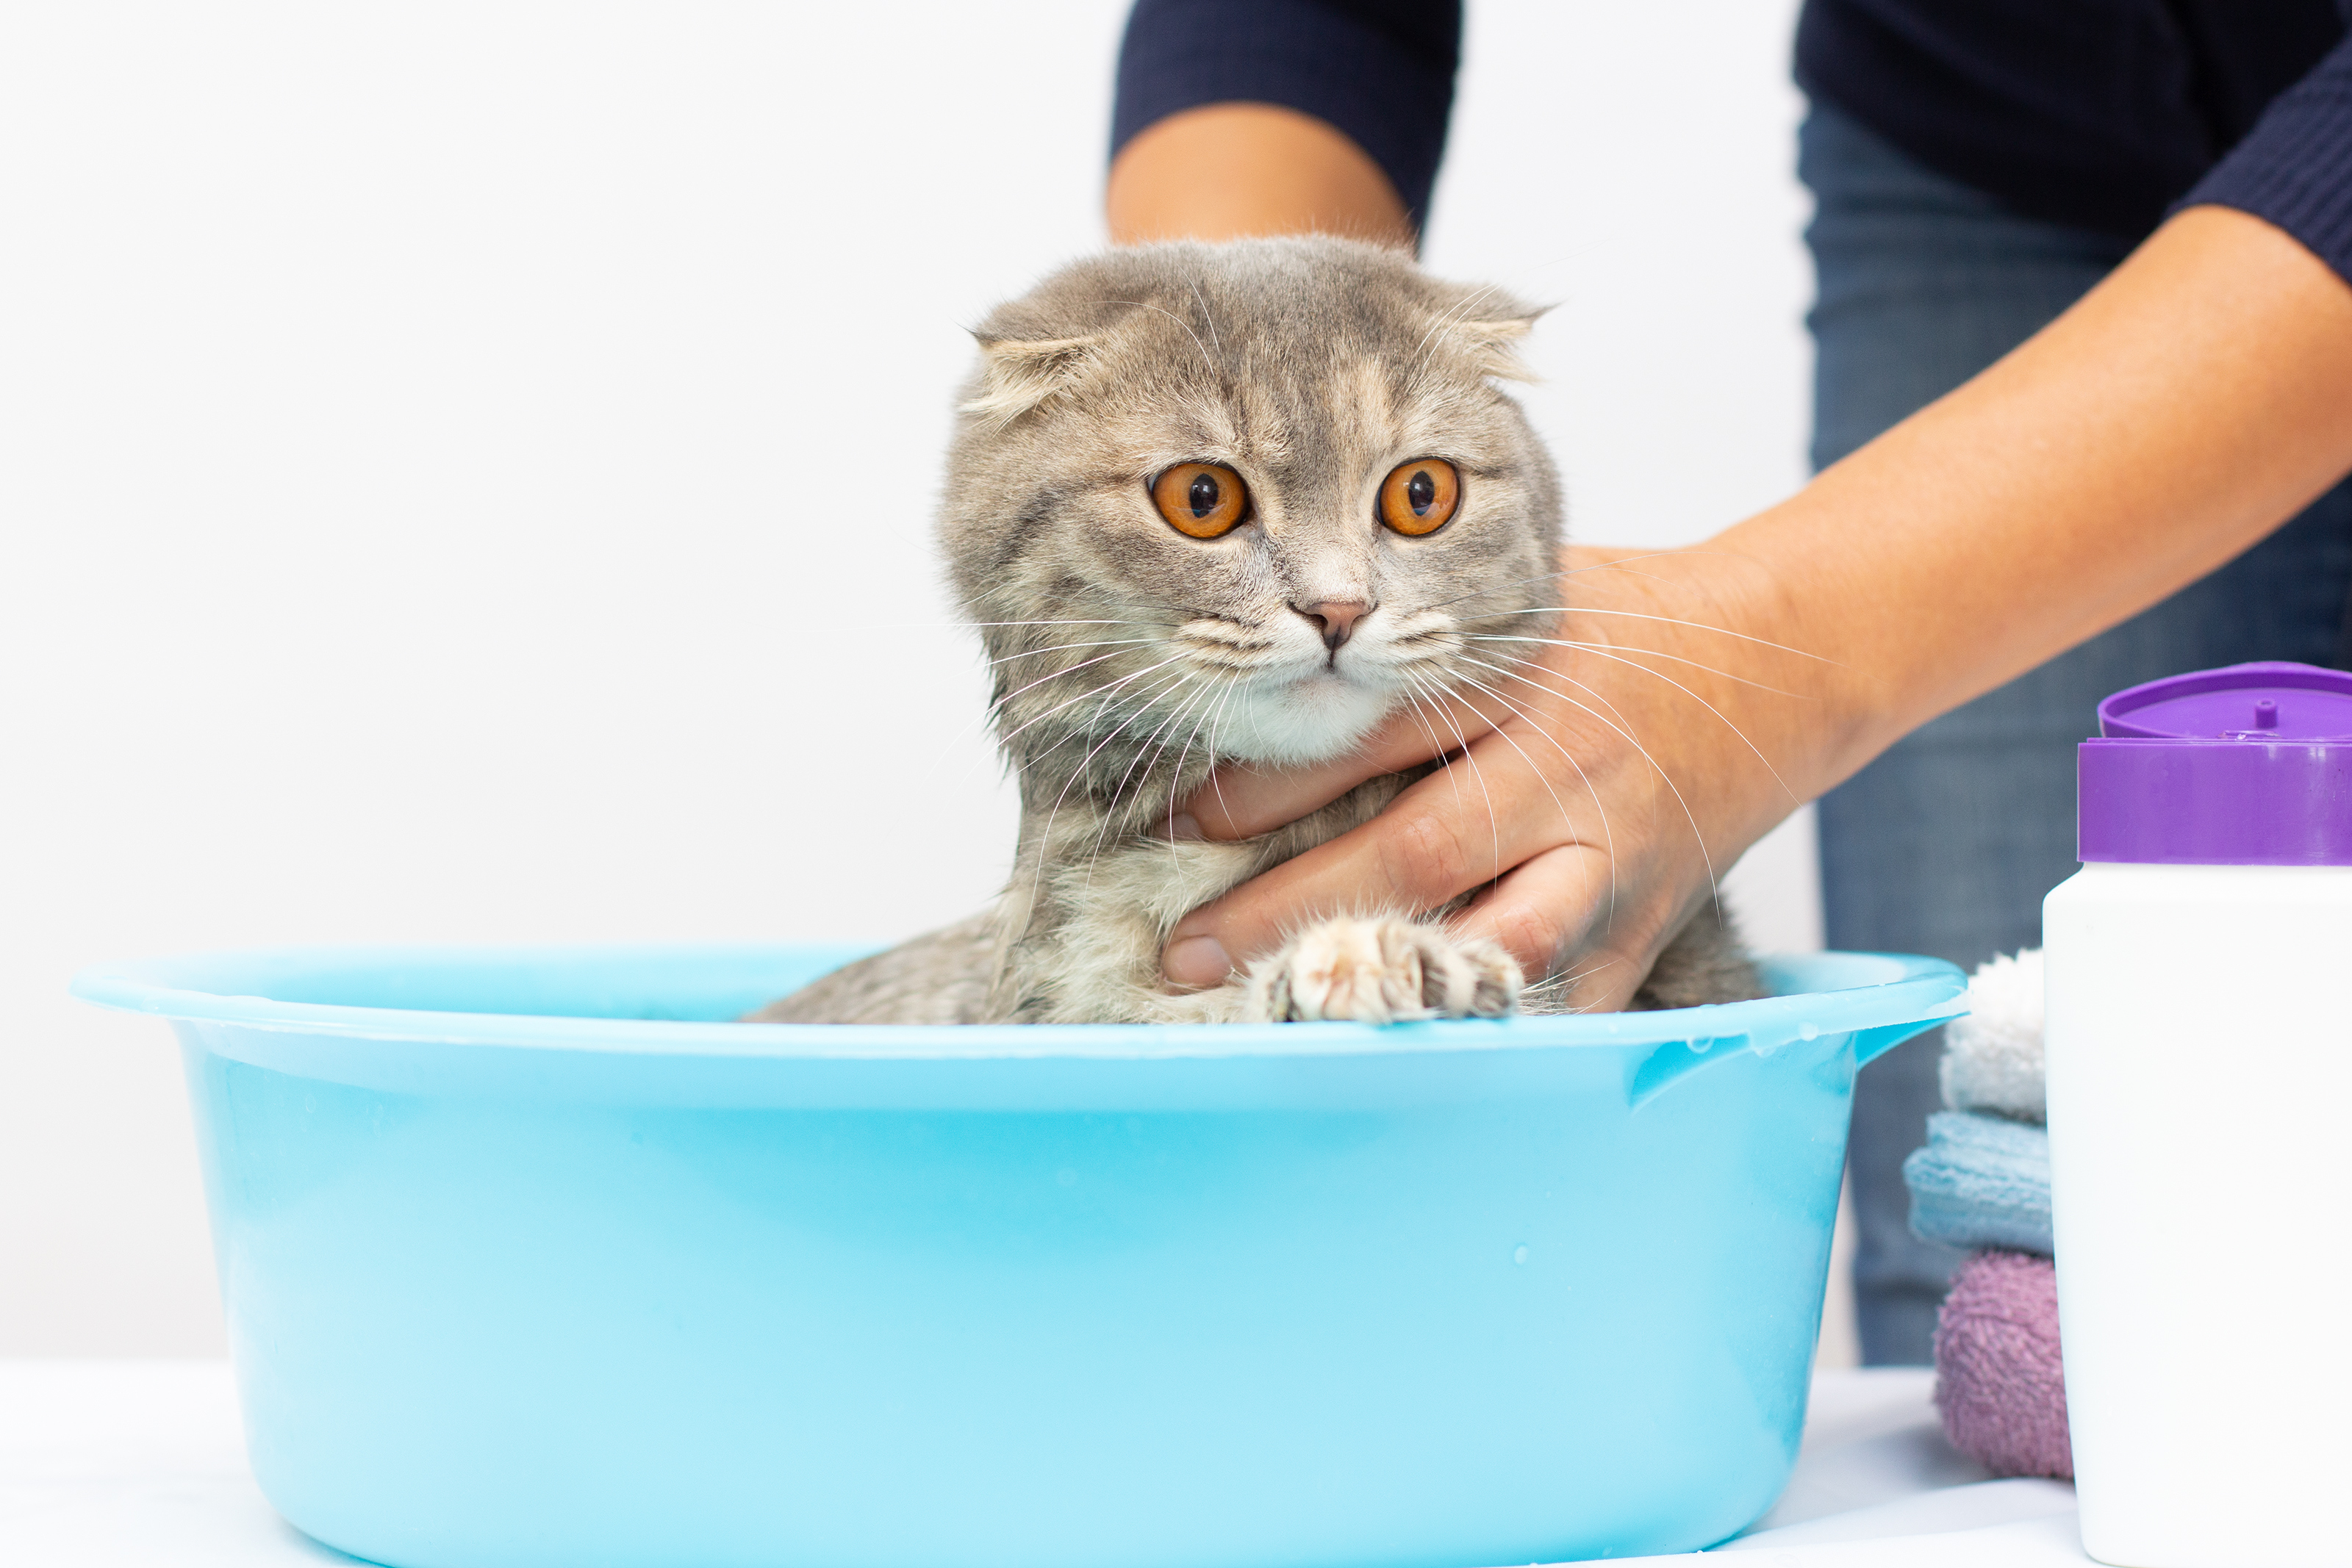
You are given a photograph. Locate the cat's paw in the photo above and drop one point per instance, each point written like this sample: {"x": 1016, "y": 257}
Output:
{"x": 1380, "y": 970}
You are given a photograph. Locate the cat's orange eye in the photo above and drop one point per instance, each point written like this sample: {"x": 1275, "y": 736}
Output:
{"x": 1419, "y": 496}
{"x": 1202, "y": 499}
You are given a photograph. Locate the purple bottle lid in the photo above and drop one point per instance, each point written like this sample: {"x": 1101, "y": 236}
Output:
{"x": 2251, "y": 765}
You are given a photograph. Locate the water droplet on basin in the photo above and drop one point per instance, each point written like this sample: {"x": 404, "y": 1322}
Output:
{"x": 1809, "y": 1032}
{"x": 1520, "y": 1256}
{"x": 1701, "y": 1046}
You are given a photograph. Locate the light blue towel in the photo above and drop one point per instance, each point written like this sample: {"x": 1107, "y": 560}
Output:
{"x": 1981, "y": 1181}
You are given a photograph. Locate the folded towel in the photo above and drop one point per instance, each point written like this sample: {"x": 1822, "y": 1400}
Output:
{"x": 1981, "y": 1181}
{"x": 1992, "y": 1057}
{"x": 2001, "y": 1386}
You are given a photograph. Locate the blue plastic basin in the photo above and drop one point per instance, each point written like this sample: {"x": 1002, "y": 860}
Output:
{"x": 529, "y": 1259}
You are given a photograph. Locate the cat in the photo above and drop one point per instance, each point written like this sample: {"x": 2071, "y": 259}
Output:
{"x": 1219, "y": 504}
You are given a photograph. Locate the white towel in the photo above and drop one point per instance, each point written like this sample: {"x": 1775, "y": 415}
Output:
{"x": 1992, "y": 1057}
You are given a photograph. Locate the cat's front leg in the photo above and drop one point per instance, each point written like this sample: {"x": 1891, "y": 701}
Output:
{"x": 1380, "y": 969}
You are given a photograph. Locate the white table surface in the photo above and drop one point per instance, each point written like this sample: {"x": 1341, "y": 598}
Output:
{"x": 141, "y": 1464}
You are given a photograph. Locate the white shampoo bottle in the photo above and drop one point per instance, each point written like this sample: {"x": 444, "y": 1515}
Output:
{"x": 2199, "y": 1049}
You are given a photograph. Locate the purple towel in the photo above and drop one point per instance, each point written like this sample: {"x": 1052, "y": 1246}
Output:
{"x": 1999, "y": 1384}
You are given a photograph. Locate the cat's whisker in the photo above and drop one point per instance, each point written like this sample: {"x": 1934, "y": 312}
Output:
{"x": 1152, "y": 747}
{"x": 1066, "y": 648}
{"x": 1147, "y": 708}
{"x": 1107, "y": 688}
{"x": 1411, "y": 639}
{"x": 1110, "y": 807}
{"x": 1045, "y": 837}
{"x": 1653, "y": 653}
{"x": 1447, "y": 319}
{"x": 1495, "y": 588}
{"x": 1526, "y": 663}
{"x": 1208, "y": 317}
{"x": 1612, "y": 716}
{"x": 1231, "y": 654}
{"x": 1176, "y": 774}
{"x": 1206, "y": 358}
{"x": 1561, "y": 806}
{"x": 1493, "y": 826}
{"x": 1505, "y": 586}
{"x": 1176, "y": 779}
{"x": 1216, "y": 757}
{"x": 1240, "y": 666}
{"x": 1420, "y": 659}
{"x": 1721, "y": 717}
{"x": 1143, "y": 699}
{"x": 1050, "y": 676}
{"x": 1006, "y": 739}
{"x": 1217, "y": 645}
{"x": 1437, "y": 324}
{"x": 991, "y": 711}
{"x": 995, "y": 709}
{"x": 1142, "y": 751}
{"x": 1569, "y": 978}
{"x": 1198, "y": 701}
{"x": 1224, "y": 633}
{"x": 1608, "y": 834}
{"x": 1441, "y": 754}
{"x": 1707, "y": 858}
{"x": 1557, "y": 573}
{"x": 1558, "y": 980}
{"x": 1670, "y": 620}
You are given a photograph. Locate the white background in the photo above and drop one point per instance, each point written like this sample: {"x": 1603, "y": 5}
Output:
{"x": 464, "y": 475}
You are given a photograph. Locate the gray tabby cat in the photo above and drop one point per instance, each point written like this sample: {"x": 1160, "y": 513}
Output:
{"x": 1228, "y": 504}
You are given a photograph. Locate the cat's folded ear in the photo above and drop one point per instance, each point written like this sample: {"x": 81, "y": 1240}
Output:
{"x": 1018, "y": 374}
{"x": 1492, "y": 337}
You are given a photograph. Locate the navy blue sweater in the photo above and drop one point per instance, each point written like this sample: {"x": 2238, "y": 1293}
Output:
{"x": 2100, "y": 113}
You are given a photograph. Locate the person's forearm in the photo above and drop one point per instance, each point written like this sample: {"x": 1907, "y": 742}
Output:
{"x": 2188, "y": 405}
{"x": 1229, "y": 171}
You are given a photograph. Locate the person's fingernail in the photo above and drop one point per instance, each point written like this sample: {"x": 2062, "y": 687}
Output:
{"x": 1197, "y": 961}
{"x": 1182, "y": 826}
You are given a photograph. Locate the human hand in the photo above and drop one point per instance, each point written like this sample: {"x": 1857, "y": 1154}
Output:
{"x": 1600, "y": 774}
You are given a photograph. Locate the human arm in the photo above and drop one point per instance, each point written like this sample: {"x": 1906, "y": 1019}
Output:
{"x": 1254, "y": 117}
{"x": 2182, "y": 409}
{"x": 1226, "y": 170}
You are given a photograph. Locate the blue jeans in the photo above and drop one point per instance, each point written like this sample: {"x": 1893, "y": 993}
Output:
{"x": 1946, "y": 844}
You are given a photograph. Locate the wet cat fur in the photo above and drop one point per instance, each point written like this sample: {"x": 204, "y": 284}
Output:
{"x": 1129, "y": 658}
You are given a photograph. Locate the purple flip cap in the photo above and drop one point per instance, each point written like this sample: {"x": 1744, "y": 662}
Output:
{"x": 2251, "y": 765}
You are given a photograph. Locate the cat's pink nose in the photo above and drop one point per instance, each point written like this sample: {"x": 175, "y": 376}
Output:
{"x": 1336, "y": 617}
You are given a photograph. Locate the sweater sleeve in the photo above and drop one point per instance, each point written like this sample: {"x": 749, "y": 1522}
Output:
{"x": 1380, "y": 71}
{"x": 2294, "y": 168}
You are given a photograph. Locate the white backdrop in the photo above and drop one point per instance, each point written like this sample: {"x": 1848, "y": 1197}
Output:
{"x": 465, "y": 473}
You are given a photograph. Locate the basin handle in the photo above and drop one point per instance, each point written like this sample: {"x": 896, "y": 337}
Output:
{"x": 1870, "y": 1044}
{"x": 1674, "y": 1058}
